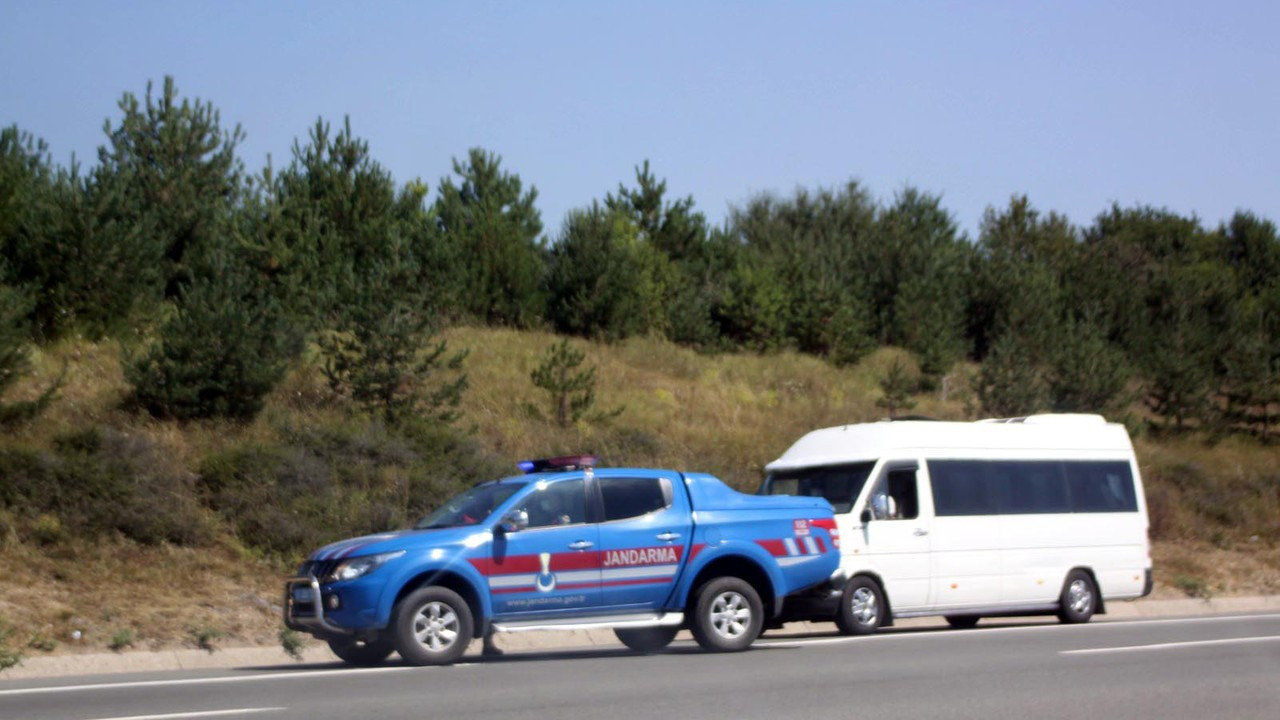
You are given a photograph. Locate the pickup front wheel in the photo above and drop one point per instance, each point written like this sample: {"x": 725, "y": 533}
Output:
{"x": 728, "y": 615}
{"x": 433, "y": 626}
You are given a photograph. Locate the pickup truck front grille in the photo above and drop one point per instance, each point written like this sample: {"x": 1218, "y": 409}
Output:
{"x": 319, "y": 568}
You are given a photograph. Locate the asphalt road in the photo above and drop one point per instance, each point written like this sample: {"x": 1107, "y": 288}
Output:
{"x": 1203, "y": 668}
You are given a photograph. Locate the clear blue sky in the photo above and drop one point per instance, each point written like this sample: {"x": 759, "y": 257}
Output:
{"x": 1076, "y": 104}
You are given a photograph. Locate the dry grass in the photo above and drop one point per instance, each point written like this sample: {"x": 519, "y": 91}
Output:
{"x": 725, "y": 414}
{"x": 163, "y": 595}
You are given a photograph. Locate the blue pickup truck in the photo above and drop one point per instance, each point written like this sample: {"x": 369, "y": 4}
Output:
{"x": 569, "y": 546}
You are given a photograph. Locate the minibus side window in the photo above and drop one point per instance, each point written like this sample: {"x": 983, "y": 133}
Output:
{"x": 895, "y": 496}
{"x": 1101, "y": 487}
{"x": 961, "y": 487}
{"x": 1030, "y": 487}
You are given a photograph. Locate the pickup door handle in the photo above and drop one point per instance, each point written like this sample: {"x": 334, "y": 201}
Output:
{"x": 580, "y": 545}
{"x": 920, "y": 532}
{"x": 668, "y": 536}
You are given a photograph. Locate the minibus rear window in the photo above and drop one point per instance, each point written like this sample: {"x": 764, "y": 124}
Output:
{"x": 839, "y": 484}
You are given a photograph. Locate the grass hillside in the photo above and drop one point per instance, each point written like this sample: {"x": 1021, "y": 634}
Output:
{"x": 142, "y": 533}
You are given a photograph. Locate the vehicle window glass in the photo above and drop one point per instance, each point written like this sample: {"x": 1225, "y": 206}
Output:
{"x": 895, "y": 496}
{"x": 838, "y": 484}
{"x": 960, "y": 487}
{"x": 560, "y": 503}
{"x": 633, "y": 497}
{"x": 470, "y": 507}
{"x": 1029, "y": 487}
{"x": 1101, "y": 487}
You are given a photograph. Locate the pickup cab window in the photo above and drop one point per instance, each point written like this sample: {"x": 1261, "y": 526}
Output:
{"x": 632, "y": 497}
{"x": 839, "y": 484}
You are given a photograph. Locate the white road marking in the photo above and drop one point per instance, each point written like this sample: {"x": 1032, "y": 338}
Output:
{"x": 990, "y": 630}
{"x": 197, "y": 714}
{"x": 1169, "y": 645}
{"x": 313, "y": 674}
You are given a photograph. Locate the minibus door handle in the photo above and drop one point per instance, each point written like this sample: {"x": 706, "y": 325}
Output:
{"x": 920, "y": 532}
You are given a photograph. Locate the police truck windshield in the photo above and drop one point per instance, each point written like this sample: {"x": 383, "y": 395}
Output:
{"x": 470, "y": 507}
{"x": 839, "y": 484}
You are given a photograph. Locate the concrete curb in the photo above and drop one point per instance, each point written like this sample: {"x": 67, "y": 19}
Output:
{"x": 315, "y": 652}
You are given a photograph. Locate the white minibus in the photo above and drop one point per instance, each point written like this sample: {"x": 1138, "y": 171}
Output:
{"x": 1037, "y": 515}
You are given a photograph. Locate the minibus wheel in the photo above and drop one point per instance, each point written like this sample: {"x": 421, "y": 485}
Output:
{"x": 1079, "y": 598}
{"x": 862, "y": 607}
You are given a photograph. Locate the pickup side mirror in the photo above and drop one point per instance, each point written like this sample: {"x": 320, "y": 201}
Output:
{"x": 865, "y": 517}
{"x": 514, "y": 521}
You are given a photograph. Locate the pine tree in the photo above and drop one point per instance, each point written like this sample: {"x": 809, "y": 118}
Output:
{"x": 330, "y": 213}
{"x": 604, "y": 280}
{"x": 1086, "y": 373}
{"x": 1009, "y": 385}
{"x": 225, "y": 347}
{"x": 381, "y": 349}
{"x": 1250, "y": 381}
{"x": 173, "y": 177}
{"x": 896, "y": 387}
{"x": 489, "y": 229}
{"x": 810, "y": 247}
{"x": 918, "y": 281}
{"x": 680, "y": 234}
{"x": 571, "y": 393}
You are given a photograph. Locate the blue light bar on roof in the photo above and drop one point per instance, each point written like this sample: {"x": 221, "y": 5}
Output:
{"x": 567, "y": 462}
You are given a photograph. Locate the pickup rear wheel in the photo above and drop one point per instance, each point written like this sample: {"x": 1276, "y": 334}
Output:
{"x": 360, "y": 652}
{"x": 862, "y": 607}
{"x": 648, "y": 639}
{"x": 432, "y": 626}
{"x": 727, "y": 616}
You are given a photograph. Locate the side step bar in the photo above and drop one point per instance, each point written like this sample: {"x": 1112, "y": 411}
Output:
{"x": 597, "y": 622}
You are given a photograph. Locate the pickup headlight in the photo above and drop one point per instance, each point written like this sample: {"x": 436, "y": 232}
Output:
{"x": 360, "y": 566}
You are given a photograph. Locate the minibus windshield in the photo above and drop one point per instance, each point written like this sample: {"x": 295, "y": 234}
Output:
{"x": 839, "y": 484}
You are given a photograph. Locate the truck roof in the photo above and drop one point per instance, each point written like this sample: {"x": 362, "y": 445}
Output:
{"x": 869, "y": 441}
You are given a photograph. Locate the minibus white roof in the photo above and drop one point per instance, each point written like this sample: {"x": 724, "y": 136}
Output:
{"x": 870, "y": 441}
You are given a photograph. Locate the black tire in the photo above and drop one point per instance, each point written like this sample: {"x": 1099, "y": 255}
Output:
{"x": 362, "y": 653}
{"x": 963, "y": 622}
{"x": 647, "y": 639}
{"x": 862, "y": 607}
{"x": 1079, "y": 598}
{"x": 727, "y": 615}
{"x": 432, "y": 626}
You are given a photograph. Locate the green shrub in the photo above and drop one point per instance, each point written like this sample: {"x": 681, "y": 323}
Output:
{"x": 122, "y": 639}
{"x": 325, "y": 482}
{"x": 9, "y": 657}
{"x": 292, "y": 642}
{"x": 1193, "y": 586}
{"x": 46, "y": 529}
{"x": 206, "y": 638}
{"x": 42, "y": 642}
{"x": 102, "y": 480}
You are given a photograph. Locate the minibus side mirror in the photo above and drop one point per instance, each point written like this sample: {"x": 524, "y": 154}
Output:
{"x": 865, "y": 517}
